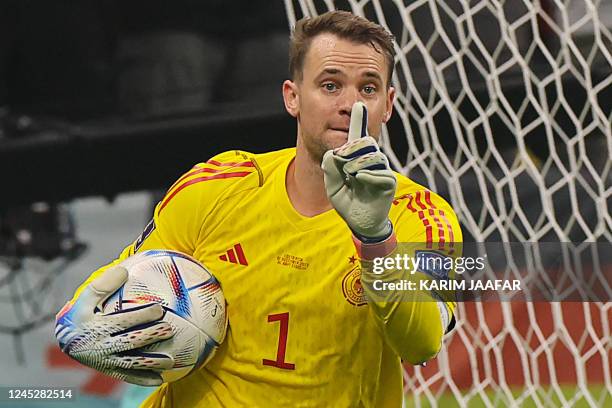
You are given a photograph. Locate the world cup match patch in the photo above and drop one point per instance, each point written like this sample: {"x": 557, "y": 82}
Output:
{"x": 433, "y": 264}
{"x": 145, "y": 234}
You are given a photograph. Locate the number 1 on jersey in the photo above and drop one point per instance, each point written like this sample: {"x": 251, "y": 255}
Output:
{"x": 280, "y": 362}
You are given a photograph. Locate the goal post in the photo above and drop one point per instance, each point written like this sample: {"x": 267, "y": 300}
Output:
{"x": 504, "y": 107}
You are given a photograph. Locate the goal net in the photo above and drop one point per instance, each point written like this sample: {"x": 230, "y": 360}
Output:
{"x": 504, "y": 108}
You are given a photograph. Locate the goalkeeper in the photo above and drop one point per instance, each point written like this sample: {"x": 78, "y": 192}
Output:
{"x": 289, "y": 234}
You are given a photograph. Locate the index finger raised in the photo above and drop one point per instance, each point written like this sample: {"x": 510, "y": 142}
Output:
{"x": 359, "y": 121}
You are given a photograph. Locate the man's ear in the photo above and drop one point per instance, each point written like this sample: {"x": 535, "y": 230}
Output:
{"x": 389, "y": 104}
{"x": 291, "y": 97}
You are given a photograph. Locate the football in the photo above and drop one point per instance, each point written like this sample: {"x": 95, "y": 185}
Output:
{"x": 192, "y": 300}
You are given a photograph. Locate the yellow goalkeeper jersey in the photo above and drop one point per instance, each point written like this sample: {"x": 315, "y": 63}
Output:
{"x": 300, "y": 331}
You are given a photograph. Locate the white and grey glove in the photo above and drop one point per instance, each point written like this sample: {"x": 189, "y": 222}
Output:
{"x": 359, "y": 181}
{"x": 111, "y": 343}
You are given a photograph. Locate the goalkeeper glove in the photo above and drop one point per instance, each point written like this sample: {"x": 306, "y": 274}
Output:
{"x": 359, "y": 181}
{"x": 110, "y": 342}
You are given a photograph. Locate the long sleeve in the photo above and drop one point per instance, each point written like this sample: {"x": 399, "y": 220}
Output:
{"x": 414, "y": 320}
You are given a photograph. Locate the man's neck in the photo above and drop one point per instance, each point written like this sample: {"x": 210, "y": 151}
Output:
{"x": 305, "y": 185}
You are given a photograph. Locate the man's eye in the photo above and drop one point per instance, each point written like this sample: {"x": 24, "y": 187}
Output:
{"x": 330, "y": 86}
{"x": 369, "y": 90}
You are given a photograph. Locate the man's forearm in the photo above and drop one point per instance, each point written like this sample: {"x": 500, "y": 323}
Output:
{"x": 413, "y": 320}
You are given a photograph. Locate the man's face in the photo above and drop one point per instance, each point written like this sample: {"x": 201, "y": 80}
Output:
{"x": 337, "y": 73}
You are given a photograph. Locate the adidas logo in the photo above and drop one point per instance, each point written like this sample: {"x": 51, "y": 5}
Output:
{"x": 235, "y": 255}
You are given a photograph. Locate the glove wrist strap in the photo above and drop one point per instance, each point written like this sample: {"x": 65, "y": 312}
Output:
{"x": 375, "y": 240}
{"x": 369, "y": 251}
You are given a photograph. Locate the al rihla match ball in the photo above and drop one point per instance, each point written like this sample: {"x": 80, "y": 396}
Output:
{"x": 192, "y": 300}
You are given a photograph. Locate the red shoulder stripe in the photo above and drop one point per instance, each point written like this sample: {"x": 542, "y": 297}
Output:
{"x": 441, "y": 237}
{"x": 231, "y": 164}
{"x": 194, "y": 171}
{"x": 449, "y": 227}
{"x": 396, "y": 201}
{"x": 451, "y": 236}
{"x": 197, "y": 170}
{"x": 198, "y": 180}
{"x": 428, "y": 232}
{"x": 409, "y": 205}
{"x": 424, "y": 220}
{"x": 432, "y": 213}
{"x": 427, "y": 207}
{"x": 428, "y": 226}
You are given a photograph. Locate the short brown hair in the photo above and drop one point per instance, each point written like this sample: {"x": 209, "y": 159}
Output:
{"x": 346, "y": 26}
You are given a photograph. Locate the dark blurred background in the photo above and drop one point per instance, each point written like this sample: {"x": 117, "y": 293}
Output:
{"x": 96, "y": 95}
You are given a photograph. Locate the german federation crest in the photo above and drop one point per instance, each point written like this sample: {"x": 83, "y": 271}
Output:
{"x": 352, "y": 289}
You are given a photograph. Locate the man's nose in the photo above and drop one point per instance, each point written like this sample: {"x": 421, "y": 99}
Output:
{"x": 348, "y": 99}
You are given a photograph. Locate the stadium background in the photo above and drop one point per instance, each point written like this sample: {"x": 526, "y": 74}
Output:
{"x": 104, "y": 104}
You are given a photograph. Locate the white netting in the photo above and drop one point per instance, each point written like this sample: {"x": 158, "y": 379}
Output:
{"x": 505, "y": 108}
